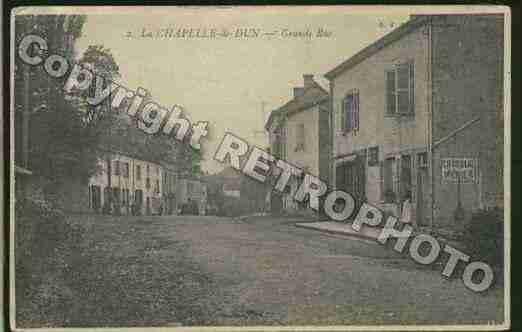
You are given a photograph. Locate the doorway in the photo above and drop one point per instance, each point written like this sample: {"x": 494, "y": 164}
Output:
{"x": 422, "y": 187}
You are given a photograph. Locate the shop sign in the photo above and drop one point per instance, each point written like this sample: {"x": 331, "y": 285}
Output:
{"x": 459, "y": 169}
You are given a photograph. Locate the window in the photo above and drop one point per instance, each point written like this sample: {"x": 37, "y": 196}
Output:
{"x": 373, "y": 156}
{"x": 399, "y": 89}
{"x": 389, "y": 180}
{"x": 126, "y": 170}
{"x": 116, "y": 167}
{"x": 124, "y": 197}
{"x": 350, "y": 112}
{"x": 300, "y": 137}
{"x": 138, "y": 173}
{"x": 350, "y": 176}
{"x": 116, "y": 196}
{"x": 147, "y": 183}
{"x": 157, "y": 187}
{"x": 148, "y": 170}
{"x": 277, "y": 147}
{"x": 405, "y": 178}
{"x": 157, "y": 170}
{"x": 422, "y": 159}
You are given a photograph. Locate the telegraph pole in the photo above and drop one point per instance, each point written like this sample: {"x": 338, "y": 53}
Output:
{"x": 261, "y": 132}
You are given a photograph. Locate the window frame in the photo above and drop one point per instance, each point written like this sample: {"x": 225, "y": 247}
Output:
{"x": 138, "y": 172}
{"x": 126, "y": 169}
{"x": 117, "y": 170}
{"x": 373, "y": 156}
{"x": 389, "y": 179}
{"x": 422, "y": 159}
{"x": 354, "y": 112}
{"x": 395, "y": 68}
{"x": 300, "y": 137}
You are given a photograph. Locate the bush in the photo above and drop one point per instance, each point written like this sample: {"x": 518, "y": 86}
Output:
{"x": 484, "y": 236}
{"x": 46, "y": 246}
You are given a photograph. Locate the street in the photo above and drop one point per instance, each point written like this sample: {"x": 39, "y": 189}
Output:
{"x": 190, "y": 270}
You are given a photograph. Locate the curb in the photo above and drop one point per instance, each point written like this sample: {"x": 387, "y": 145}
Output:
{"x": 355, "y": 234}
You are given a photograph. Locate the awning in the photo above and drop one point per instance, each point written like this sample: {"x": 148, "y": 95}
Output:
{"x": 21, "y": 170}
{"x": 346, "y": 158}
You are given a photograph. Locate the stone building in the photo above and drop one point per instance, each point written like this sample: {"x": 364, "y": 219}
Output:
{"x": 126, "y": 185}
{"x": 170, "y": 179}
{"x": 299, "y": 133}
{"x": 192, "y": 191}
{"x": 419, "y": 114}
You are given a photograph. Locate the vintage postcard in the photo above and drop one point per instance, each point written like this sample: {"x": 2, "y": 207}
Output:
{"x": 260, "y": 168}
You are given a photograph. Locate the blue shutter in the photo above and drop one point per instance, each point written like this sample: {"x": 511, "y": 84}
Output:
{"x": 348, "y": 114}
{"x": 343, "y": 116}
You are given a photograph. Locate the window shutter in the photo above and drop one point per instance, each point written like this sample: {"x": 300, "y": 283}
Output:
{"x": 90, "y": 196}
{"x": 340, "y": 177}
{"x": 356, "y": 110}
{"x": 390, "y": 92}
{"x": 352, "y": 112}
{"x": 348, "y": 114}
{"x": 396, "y": 177}
{"x": 403, "y": 88}
{"x": 381, "y": 179}
{"x": 340, "y": 117}
{"x": 412, "y": 87}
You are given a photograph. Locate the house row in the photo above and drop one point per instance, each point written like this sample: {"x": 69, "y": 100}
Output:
{"x": 129, "y": 185}
{"x": 126, "y": 185}
{"x": 416, "y": 117}
{"x": 230, "y": 193}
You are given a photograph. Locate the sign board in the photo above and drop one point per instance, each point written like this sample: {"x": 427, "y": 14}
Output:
{"x": 463, "y": 168}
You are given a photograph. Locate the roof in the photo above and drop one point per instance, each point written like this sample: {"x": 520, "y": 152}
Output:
{"x": 22, "y": 170}
{"x": 396, "y": 34}
{"x": 313, "y": 95}
{"x": 271, "y": 119}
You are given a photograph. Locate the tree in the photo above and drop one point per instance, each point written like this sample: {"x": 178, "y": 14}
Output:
{"x": 54, "y": 141}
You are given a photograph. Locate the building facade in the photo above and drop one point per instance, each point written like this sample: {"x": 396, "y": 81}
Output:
{"x": 418, "y": 116}
{"x": 126, "y": 185}
{"x": 190, "y": 191}
{"x": 169, "y": 180}
{"x": 299, "y": 134}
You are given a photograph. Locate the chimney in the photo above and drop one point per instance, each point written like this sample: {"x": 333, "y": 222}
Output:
{"x": 308, "y": 81}
{"x": 298, "y": 92}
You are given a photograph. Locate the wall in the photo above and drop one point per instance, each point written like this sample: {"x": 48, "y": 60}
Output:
{"x": 324, "y": 142}
{"x": 393, "y": 135}
{"x": 369, "y": 78}
{"x": 467, "y": 84}
{"x": 198, "y": 193}
{"x": 308, "y": 157}
{"x": 132, "y": 183}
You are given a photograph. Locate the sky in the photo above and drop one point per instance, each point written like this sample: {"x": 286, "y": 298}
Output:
{"x": 232, "y": 82}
